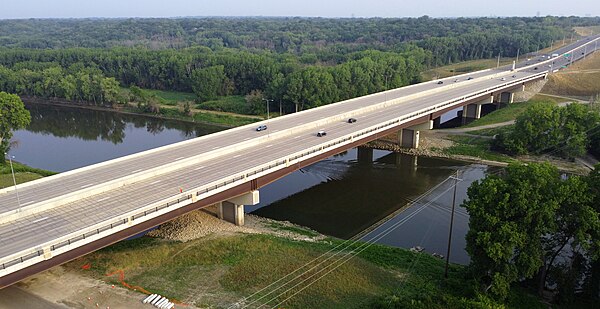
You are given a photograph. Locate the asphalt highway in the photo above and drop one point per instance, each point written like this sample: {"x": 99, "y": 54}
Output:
{"x": 198, "y": 167}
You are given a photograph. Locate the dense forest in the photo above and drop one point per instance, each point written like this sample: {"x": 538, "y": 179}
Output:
{"x": 304, "y": 62}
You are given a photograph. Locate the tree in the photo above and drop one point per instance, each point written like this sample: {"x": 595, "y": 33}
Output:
{"x": 13, "y": 116}
{"x": 522, "y": 221}
{"x": 562, "y": 131}
{"x": 208, "y": 82}
{"x": 508, "y": 216}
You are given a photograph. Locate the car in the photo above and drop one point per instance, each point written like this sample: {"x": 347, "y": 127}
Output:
{"x": 549, "y": 65}
{"x": 321, "y": 133}
{"x": 514, "y": 76}
{"x": 535, "y": 68}
{"x": 582, "y": 53}
{"x": 503, "y": 79}
{"x": 470, "y": 78}
{"x": 351, "y": 120}
{"x": 456, "y": 80}
{"x": 440, "y": 82}
{"x": 261, "y": 127}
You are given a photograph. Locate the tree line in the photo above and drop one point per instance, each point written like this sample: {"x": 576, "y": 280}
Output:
{"x": 96, "y": 75}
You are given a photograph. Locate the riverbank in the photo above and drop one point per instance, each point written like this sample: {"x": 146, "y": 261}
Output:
{"x": 203, "y": 262}
{"x": 166, "y": 112}
{"x": 23, "y": 173}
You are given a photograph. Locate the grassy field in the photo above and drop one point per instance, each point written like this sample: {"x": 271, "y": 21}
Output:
{"x": 172, "y": 97}
{"x": 231, "y": 104}
{"x": 507, "y": 113}
{"x": 475, "y": 147}
{"x": 584, "y": 31}
{"x": 23, "y": 173}
{"x": 219, "y": 271}
{"x": 581, "y": 79}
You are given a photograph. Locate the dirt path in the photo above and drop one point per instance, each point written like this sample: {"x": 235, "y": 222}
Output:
{"x": 463, "y": 130}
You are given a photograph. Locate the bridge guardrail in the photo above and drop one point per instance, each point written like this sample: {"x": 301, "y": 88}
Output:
{"x": 57, "y": 246}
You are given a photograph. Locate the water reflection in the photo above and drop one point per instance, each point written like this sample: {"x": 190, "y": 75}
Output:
{"x": 62, "y": 138}
{"x": 342, "y": 195}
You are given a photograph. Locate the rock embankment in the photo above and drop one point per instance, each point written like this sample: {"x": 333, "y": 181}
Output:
{"x": 204, "y": 222}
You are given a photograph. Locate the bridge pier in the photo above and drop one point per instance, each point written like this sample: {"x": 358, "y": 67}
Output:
{"x": 232, "y": 210}
{"x": 409, "y": 137}
{"x": 364, "y": 155}
{"x": 507, "y": 97}
{"x": 474, "y": 110}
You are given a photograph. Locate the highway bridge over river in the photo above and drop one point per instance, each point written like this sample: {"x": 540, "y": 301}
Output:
{"x": 49, "y": 221}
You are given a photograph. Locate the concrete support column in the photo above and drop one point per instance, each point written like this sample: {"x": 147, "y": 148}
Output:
{"x": 408, "y": 138}
{"x": 472, "y": 111}
{"x": 437, "y": 122}
{"x": 232, "y": 210}
{"x": 364, "y": 155}
{"x": 232, "y": 213}
{"x": 507, "y": 97}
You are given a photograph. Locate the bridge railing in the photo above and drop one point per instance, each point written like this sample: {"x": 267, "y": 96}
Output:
{"x": 60, "y": 245}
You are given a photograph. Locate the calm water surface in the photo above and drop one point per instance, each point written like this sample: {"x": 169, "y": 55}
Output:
{"x": 339, "y": 196}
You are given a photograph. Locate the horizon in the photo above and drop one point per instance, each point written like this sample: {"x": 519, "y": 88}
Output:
{"x": 73, "y": 9}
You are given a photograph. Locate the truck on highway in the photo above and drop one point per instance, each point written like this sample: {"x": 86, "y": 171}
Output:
{"x": 554, "y": 55}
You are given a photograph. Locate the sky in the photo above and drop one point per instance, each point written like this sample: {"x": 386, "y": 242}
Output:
{"x": 10, "y": 9}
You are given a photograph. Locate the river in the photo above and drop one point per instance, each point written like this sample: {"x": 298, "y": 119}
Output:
{"x": 340, "y": 196}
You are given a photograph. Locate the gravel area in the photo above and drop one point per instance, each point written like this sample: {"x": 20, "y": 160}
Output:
{"x": 204, "y": 222}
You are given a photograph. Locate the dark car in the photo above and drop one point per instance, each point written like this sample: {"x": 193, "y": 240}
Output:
{"x": 470, "y": 78}
{"x": 535, "y": 68}
{"x": 321, "y": 133}
{"x": 261, "y": 128}
{"x": 351, "y": 120}
{"x": 440, "y": 82}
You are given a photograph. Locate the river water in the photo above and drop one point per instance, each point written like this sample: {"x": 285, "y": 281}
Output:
{"x": 340, "y": 196}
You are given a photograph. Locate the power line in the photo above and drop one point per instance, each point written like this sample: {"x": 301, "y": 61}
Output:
{"x": 347, "y": 244}
{"x": 350, "y": 255}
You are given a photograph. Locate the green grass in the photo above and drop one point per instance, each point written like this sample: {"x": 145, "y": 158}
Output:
{"x": 223, "y": 119}
{"x": 172, "y": 97}
{"x": 508, "y": 113}
{"x": 230, "y": 104}
{"x": 23, "y": 173}
{"x": 221, "y": 270}
{"x": 475, "y": 147}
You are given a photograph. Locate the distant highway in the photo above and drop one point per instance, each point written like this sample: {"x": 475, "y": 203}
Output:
{"x": 51, "y": 220}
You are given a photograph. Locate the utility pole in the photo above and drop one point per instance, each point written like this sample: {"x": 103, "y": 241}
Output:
{"x": 518, "y": 50}
{"x": 498, "y": 65}
{"x": 451, "y": 223}
{"x": 267, "y": 102}
{"x": 12, "y": 170}
{"x": 280, "y": 110}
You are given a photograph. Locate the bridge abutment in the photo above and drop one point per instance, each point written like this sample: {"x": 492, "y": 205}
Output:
{"x": 232, "y": 210}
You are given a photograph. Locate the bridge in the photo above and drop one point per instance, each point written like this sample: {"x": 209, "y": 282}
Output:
{"x": 50, "y": 221}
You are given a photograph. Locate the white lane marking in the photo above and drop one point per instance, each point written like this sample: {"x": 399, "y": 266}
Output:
{"x": 153, "y": 183}
{"x": 299, "y": 136}
{"x": 42, "y": 219}
{"x": 247, "y": 138}
{"x": 104, "y": 199}
{"x": 136, "y": 171}
{"x": 179, "y": 158}
{"x": 268, "y": 146}
{"x": 85, "y": 186}
{"x": 30, "y": 202}
{"x": 216, "y": 147}
{"x": 199, "y": 168}
{"x": 237, "y": 156}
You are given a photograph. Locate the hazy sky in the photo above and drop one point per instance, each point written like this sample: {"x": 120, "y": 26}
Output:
{"x": 321, "y": 8}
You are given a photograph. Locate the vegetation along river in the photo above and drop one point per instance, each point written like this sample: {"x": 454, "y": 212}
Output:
{"x": 340, "y": 196}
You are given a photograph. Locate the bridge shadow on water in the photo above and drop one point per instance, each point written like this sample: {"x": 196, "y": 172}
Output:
{"x": 341, "y": 196}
